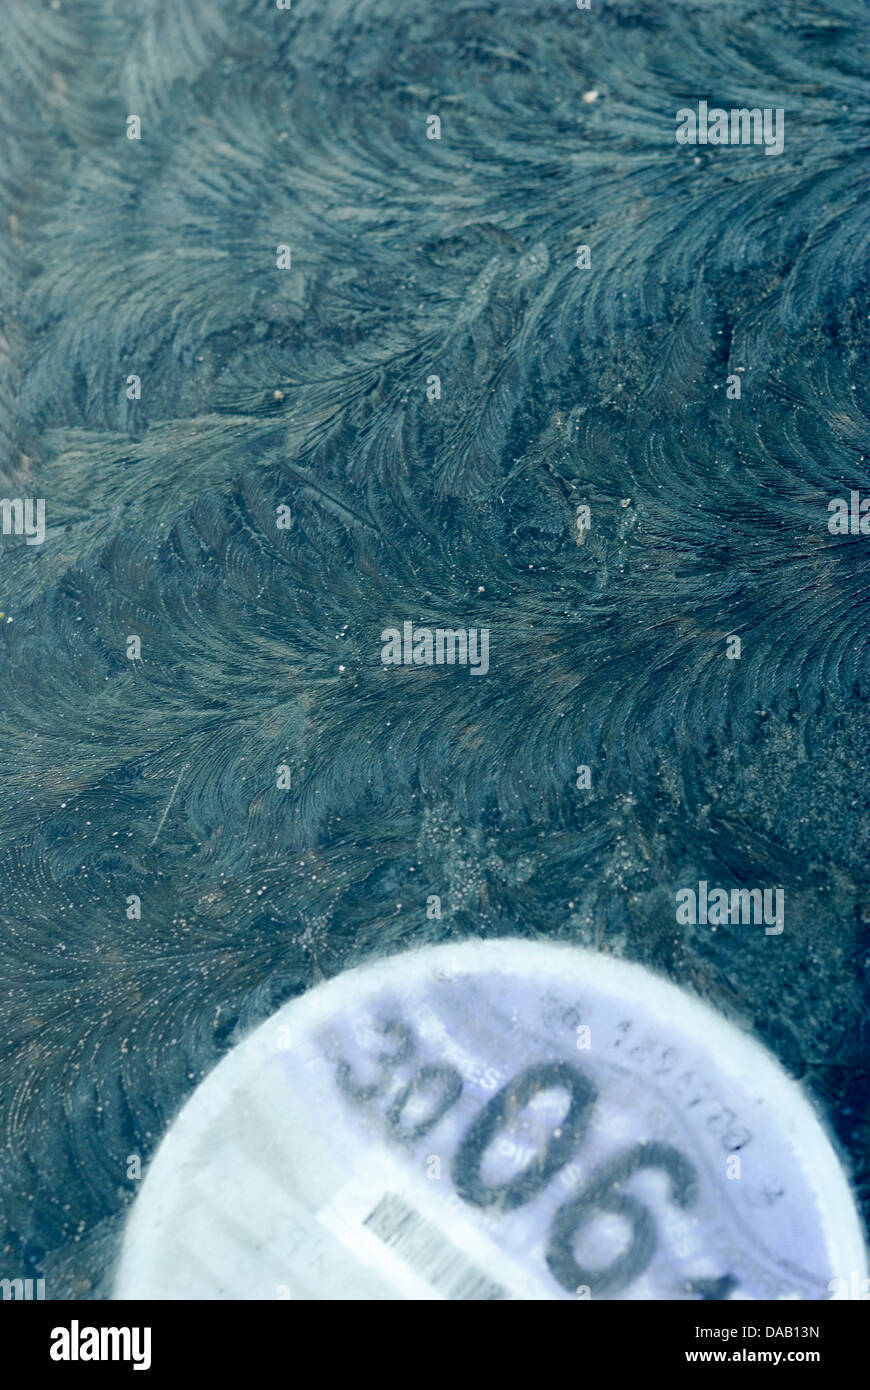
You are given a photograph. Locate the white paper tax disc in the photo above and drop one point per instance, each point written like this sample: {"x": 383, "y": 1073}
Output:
{"x": 495, "y": 1120}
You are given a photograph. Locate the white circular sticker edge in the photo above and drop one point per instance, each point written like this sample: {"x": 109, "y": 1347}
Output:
{"x": 745, "y": 1059}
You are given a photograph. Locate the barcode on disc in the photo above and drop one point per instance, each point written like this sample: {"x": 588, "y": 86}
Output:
{"x": 422, "y": 1246}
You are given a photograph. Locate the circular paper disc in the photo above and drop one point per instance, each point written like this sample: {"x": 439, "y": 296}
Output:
{"x": 495, "y": 1120}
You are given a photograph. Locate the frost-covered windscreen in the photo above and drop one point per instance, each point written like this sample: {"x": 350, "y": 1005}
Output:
{"x": 434, "y": 548}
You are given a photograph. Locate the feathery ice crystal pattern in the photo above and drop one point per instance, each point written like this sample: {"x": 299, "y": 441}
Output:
{"x": 561, "y": 387}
